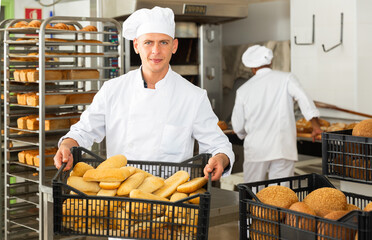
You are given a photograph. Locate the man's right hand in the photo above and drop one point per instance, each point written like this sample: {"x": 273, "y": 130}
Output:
{"x": 64, "y": 154}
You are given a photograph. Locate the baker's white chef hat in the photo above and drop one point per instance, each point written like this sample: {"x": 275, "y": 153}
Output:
{"x": 257, "y": 56}
{"x": 155, "y": 20}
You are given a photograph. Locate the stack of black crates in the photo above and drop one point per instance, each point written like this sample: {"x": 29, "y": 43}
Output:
{"x": 344, "y": 157}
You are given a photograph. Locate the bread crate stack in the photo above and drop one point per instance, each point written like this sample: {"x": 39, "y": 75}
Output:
{"x": 54, "y": 67}
{"x": 309, "y": 206}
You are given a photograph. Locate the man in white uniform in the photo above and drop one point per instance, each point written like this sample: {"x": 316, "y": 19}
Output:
{"x": 151, "y": 113}
{"x": 263, "y": 116}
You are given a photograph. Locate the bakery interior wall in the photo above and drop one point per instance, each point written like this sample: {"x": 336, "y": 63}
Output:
{"x": 341, "y": 76}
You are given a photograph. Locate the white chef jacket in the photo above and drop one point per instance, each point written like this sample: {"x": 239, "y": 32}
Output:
{"x": 263, "y": 115}
{"x": 158, "y": 124}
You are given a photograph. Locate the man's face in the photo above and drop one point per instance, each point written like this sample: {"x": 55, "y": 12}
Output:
{"x": 155, "y": 50}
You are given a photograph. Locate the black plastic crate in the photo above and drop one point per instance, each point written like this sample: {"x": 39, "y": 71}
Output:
{"x": 347, "y": 157}
{"x": 254, "y": 223}
{"x": 76, "y": 213}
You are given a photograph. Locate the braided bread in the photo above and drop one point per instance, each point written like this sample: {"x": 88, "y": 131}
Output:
{"x": 34, "y": 24}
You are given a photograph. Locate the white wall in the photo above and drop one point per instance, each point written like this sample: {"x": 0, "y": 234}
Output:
{"x": 79, "y": 8}
{"x": 265, "y": 21}
{"x": 341, "y": 76}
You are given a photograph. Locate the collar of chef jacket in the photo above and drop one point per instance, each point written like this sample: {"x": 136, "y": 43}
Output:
{"x": 159, "y": 84}
{"x": 263, "y": 71}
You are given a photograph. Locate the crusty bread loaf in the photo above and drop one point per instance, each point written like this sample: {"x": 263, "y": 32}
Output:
{"x": 192, "y": 185}
{"x": 49, "y": 154}
{"x": 22, "y": 121}
{"x": 151, "y": 184}
{"x": 22, "y": 157}
{"x": 110, "y": 185}
{"x": 34, "y": 24}
{"x": 89, "y": 28}
{"x": 107, "y": 193}
{"x": 131, "y": 169}
{"x": 20, "y": 24}
{"x": 30, "y": 156}
{"x": 196, "y": 200}
{"x": 33, "y": 76}
{"x": 16, "y": 75}
{"x": 363, "y": 129}
{"x": 80, "y": 168}
{"x": 54, "y": 124}
{"x": 131, "y": 183}
{"x": 22, "y": 98}
{"x": 116, "y": 161}
{"x": 325, "y": 200}
{"x": 82, "y": 74}
{"x": 57, "y": 99}
{"x": 80, "y": 98}
{"x": 80, "y": 184}
{"x": 23, "y": 74}
{"x": 106, "y": 175}
{"x": 136, "y": 193}
{"x": 172, "y": 183}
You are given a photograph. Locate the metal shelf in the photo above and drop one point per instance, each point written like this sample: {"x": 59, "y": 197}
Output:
{"x": 29, "y": 215}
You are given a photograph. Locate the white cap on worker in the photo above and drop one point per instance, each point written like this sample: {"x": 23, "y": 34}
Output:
{"x": 257, "y": 56}
{"x": 142, "y": 21}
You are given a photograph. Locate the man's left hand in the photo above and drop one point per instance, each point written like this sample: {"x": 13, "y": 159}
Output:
{"x": 216, "y": 166}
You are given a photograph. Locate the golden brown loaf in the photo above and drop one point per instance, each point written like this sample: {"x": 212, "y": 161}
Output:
{"x": 368, "y": 207}
{"x": 131, "y": 183}
{"x": 325, "y": 200}
{"x": 20, "y": 24}
{"x": 192, "y": 185}
{"x": 303, "y": 222}
{"x": 151, "y": 184}
{"x": 61, "y": 26}
{"x": 197, "y": 199}
{"x": 80, "y": 168}
{"x": 89, "y": 28}
{"x": 172, "y": 183}
{"x": 80, "y": 184}
{"x": 110, "y": 185}
{"x": 116, "y": 161}
{"x": 363, "y": 129}
{"x": 34, "y": 24}
{"x": 71, "y": 27}
{"x": 106, "y": 175}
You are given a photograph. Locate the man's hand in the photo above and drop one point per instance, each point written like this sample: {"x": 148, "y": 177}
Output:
{"x": 316, "y": 133}
{"x": 216, "y": 166}
{"x": 64, "y": 154}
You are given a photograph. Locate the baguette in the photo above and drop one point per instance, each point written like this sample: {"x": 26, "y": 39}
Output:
{"x": 136, "y": 193}
{"x": 192, "y": 185}
{"x": 116, "y": 161}
{"x": 144, "y": 172}
{"x": 131, "y": 183}
{"x": 172, "y": 183}
{"x": 151, "y": 184}
{"x": 108, "y": 193}
{"x": 80, "y": 184}
{"x": 110, "y": 185}
{"x": 131, "y": 169}
{"x": 106, "y": 175}
{"x": 196, "y": 200}
{"x": 80, "y": 168}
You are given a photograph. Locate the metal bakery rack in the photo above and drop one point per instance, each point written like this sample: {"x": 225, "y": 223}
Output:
{"x": 61, "y": 70}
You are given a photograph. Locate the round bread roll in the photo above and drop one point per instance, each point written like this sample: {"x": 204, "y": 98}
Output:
{"x": 359, "y": 169}
{"x": 333, "y": 231}
{"x": 351, "y": 207}
{"x": 262, "y": 230}
{"x": 80, "y": 168}
{"x": 303, "y": 222}
{"x": 325, "y": 200}
{"x": 279, "y": 196}
{"x": 368, "y": 208}
{"x": 363, "y": 129}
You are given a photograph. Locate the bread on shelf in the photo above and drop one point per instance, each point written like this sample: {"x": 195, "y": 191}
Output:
{"x": 89, "y": 28}
{"x": 89, "y": 41}
{"x": 33, "y": 76}
{"x": 34, "y": 24}
{"x": 22, "y": 98}
{"x": 20, "y": 24}
{"x": 80, "y": 98}
{"x": 57, "y": 99}
{"x": 22, "y": 121}
{"x": 82, "y": 74}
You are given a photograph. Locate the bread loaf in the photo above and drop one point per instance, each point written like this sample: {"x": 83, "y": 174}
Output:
{"x": 33, "y": 76}
{"x": 79, "y": 98}
{"x": 16, "y": 75}
{"x": 136, "y": 193}
{"x": 299, "y": 221}
{"x": 80, "y": 168}
{"x": 107, "y": 193}
{"x": 57, "y": 99}
{"x": 22, "y": 157}
{"x": 192, "y": 185}
{"x": 197, "y": 199}
{"x": 110, "y": 185}
{"x": 363, "y": 129}
{"x": 131, "y": 183}
{"x": 34, "y": 24}
{"x": 54, "y": 124}
{"x": 23, "y": 74}
{"x": 106, "y": 175}
{"x": 49, "y": 154}
{"x": 22, "y": 121}
{"x": 80, "y": 184}
{"x": 147, "y": 174}
{"x": 116, "y": 161}
{"x": 131, "y": 169}
{"x": 82, "y": 74}
{"x": 30, "y": 156}
{"x": 172, "y": 183}
{"x": 151, "y": 184}
{"x": 22, "y": 98}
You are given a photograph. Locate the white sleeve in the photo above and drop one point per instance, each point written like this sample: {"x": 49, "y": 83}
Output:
{"x": 210, "y": 137}
{"x": 305, "y": 103}
{"x": 91, "y": 126}
{"x": 237, "y": 118}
